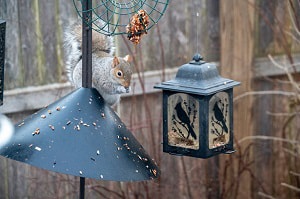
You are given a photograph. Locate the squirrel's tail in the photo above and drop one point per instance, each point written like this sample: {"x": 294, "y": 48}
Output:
{"x": 102, "y": 45}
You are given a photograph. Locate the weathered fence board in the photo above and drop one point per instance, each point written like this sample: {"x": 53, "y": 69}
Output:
{"x": 237, "y": 46}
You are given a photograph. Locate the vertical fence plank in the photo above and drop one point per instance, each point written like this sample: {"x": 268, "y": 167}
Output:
{"x": 237, "y": 44}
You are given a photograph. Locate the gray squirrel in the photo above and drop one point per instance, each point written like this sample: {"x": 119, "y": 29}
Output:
{"x": 111, "y": 74}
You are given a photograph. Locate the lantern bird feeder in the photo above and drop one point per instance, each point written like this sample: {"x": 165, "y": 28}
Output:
{"x": 198, "y": 111}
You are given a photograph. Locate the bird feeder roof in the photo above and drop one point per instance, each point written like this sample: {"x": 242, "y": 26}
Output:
{"x": 198, "y": 77}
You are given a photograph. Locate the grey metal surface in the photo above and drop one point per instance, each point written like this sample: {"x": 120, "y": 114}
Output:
{"x": 198, "y": 77}
{"x": 82, "y": 136}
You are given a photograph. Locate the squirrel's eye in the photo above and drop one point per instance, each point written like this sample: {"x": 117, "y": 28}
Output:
{"x": 119, "y": 73}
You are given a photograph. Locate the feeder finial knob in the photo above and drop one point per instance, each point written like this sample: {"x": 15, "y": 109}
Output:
{"x": 197, "y": 57}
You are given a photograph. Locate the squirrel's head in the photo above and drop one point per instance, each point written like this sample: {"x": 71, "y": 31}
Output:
{"x": 122, "y": 70}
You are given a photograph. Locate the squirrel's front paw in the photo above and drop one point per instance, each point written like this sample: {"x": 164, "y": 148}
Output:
{"x": 127, "y": 89}
{"x": 122, "y": 89}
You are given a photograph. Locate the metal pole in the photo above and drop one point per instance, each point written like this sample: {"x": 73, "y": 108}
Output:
{"x": 2, "y": 57}
{"x": 87, "y": 43}
{"x": 86, "y": 60}
{"x": 82, "y": 184}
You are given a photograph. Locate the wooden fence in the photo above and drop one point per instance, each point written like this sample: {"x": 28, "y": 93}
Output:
{"x": 237, "y": 35}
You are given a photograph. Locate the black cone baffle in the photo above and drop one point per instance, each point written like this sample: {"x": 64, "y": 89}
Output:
{"x": 80, "y": 135}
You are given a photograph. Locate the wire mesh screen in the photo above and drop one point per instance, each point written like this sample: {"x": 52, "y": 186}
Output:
{"x": 131, "y": 17}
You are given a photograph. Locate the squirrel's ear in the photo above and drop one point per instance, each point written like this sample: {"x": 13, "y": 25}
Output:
{"x": 128, "y": 58}
{"x": 115, "y": 61}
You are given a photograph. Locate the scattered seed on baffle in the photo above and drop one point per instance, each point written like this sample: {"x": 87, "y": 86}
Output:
{"x": 30, "y": 145}
{"x": 119, "y": 126}
{"x": 36, "y": 132}
{"x": 37, "y": 148}
{"x": 43, "y": 116}
{"x": 58, "y": 108}
{"x": 49, "y": 111}
{"x": 21, "y": 124}
{"x": 51, "y": 127}
{"x": 94, "y": 123}
{"x": 125, "y": 138}
{"x": 93, "y": 159}
{"x": 80, "y": 172}
{"x": 98, "y": 152}
{"x": 77, "y": 127}
{"x": 153, "y": 171}
{"x": 103, "y": 115}
{"x": 101, "y": 176}
{"x": 68, "y": 122}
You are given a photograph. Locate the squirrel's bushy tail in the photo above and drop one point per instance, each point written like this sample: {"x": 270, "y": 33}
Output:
{"x": 102, "y": 46}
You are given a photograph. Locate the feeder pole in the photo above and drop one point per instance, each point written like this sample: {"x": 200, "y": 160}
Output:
{"x": 86, "y": 59}
{"x": 87, "y": 44}
{"x": 82, "y": 184}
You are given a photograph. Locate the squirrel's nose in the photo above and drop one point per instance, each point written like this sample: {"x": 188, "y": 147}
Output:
{"x": 126, "y": 85}
{"x": 127, "y": 89}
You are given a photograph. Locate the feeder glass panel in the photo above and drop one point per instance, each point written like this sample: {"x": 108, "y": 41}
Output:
{"x": 183, "y": 121}
{"x": 219, "y": 128}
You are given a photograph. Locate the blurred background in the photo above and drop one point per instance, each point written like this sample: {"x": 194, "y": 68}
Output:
{"x": 256, "y": 42}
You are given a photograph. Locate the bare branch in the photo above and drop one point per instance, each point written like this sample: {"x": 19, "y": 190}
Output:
{"x": 293, "y": 36}
{"x": 282, "y": 114}
{"x": 285, "y": 69}
{"x": 293, "y": 21}
{"x": 271, "y": 92}
{"x": 291, "y": 153}
{"x": 265, "y": 195}
{"x": 272, "y": 138}
{"x": 290, "y": 187}
{"x": 294, "y": 173}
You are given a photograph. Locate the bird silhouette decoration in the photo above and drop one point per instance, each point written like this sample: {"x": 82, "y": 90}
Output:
{"x": 185, "y": 120}
{"x": 220, "y": 116}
